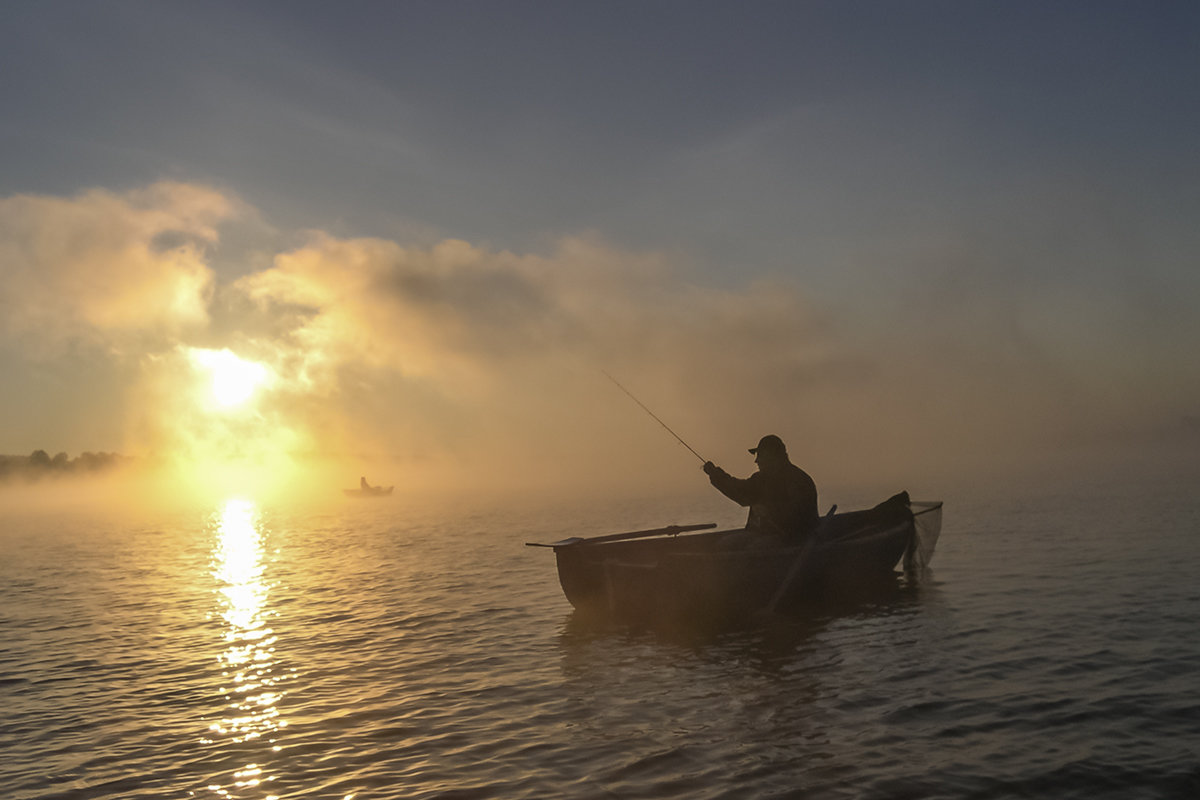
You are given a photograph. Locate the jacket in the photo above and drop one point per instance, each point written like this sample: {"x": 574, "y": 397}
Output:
{"x": 782, "y": 501}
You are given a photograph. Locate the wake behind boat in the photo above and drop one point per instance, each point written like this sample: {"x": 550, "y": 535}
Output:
{"x": 660, "y": 575}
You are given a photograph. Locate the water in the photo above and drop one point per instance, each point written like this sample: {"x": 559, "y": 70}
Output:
{"x": 387, "y": 650}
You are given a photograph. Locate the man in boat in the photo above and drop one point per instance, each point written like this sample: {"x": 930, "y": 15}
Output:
{"x": 781, "y": 496}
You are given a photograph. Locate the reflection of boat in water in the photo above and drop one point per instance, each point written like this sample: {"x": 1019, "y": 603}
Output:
{"x": 649, "y": 576}
{"x": 367, "y": 490}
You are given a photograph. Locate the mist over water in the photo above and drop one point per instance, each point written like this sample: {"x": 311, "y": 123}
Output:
{"x": 391, "y": 648}
{"x": 948, "y": 249}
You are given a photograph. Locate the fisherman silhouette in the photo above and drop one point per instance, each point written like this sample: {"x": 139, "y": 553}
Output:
{"x": 781, "y": 496}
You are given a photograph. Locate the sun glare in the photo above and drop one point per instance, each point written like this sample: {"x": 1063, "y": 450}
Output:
{"x": 233, "y": 380}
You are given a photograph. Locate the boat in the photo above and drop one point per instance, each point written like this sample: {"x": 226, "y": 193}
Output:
{"x": 678, "y": 573}
{"x": 370, "y": 491}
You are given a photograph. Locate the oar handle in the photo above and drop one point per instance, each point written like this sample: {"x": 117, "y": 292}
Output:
{"x": 670, "y": 530}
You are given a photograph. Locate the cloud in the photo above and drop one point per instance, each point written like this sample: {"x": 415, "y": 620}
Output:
{"x": 418, "y": 311}
{"x": 453, "y": 309}
{"x": 471, "y": 364}
{"x": 497, "y": 360}
{"x": 491, "y": 362}
{"x": 100, "y": 266}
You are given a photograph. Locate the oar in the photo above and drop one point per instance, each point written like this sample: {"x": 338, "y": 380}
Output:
{"x": 670, "y": 530}
{"x": 791, "y": 575}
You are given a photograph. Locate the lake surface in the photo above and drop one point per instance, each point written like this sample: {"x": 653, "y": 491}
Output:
{"x": 388, "y": 650}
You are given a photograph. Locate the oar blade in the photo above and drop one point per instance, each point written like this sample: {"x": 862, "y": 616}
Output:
{"x": 559, "y": 543}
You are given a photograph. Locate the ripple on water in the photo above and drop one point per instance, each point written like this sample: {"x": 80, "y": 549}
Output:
{"x": 250, "y": 654}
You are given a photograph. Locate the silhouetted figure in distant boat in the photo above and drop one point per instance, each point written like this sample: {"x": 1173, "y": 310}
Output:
{"x": 367, "y": 490}
{"x": 781, "y": 496}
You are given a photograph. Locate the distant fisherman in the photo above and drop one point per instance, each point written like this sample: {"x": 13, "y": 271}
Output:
{"x": 781, "y": 496}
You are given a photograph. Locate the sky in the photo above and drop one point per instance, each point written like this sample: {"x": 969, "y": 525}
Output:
{"x": 913, "y": 239}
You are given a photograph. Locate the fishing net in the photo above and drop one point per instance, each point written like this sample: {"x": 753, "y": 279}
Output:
{"x": 927, "y": 519}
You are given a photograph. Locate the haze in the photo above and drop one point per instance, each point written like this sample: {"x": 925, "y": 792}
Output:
{"x": 309, "y": 241}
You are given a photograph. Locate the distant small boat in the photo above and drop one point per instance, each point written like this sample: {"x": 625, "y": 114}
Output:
{"x": 658, "y": 575}
{"x": 370, "y": 491}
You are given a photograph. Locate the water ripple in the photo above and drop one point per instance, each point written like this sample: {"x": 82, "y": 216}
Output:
{"x": 254, "y": 653}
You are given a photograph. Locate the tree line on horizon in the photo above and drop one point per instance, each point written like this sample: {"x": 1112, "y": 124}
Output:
{"x": 40, "y": 464}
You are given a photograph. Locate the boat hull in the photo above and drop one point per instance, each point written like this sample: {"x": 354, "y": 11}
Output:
{"x": 374, "y": 491}
{"x": 724, "y": 575}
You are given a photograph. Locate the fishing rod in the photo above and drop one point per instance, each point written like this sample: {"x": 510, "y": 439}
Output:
{"x": 656, "y": 419}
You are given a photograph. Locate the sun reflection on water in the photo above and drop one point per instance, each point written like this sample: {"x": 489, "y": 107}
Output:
{"x": 250, "y": 684}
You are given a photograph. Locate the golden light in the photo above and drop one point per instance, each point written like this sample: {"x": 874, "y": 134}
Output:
{"x": 233, "y": 380}
{"x": 250, "y": 676}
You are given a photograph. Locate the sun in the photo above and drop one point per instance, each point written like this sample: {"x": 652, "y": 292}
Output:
{"x": 233, "y": 380}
